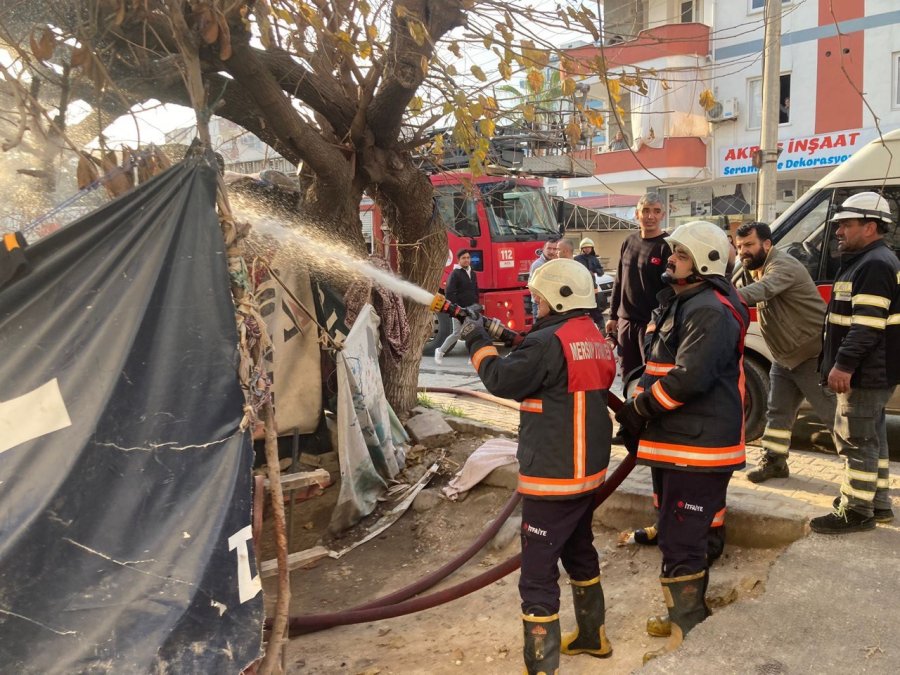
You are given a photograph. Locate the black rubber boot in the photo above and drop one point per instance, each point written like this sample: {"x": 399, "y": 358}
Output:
{"x": 541, "y": 651}
{"x": 589, "y": 637}
{"x": 660, "y": 626}
{"x": 715, "y": 544}
{"x": 687, "y": 607}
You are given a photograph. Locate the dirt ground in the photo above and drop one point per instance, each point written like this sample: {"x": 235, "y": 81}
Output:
{"x": 480, "y": 632}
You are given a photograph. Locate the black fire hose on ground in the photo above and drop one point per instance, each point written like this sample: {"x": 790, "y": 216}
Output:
{"x": 387, "y": 607}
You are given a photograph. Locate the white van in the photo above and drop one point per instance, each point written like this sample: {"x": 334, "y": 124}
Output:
{"x": 804, "y": 232}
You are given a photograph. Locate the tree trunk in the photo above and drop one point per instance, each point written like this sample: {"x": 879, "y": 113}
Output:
{"x": 407, "y": 204}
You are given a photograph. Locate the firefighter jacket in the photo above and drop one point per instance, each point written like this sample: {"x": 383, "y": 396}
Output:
{"x": 692, "y": 387}
{"x": 560, "y": 374}
{"x": 789, "y": 306}
{"x": 862, "y": 326}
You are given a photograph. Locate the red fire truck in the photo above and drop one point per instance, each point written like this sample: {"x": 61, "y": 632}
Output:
{"x": 504, "y": 222}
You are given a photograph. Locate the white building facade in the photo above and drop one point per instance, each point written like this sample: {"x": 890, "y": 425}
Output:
{"x": 840, "y": 71}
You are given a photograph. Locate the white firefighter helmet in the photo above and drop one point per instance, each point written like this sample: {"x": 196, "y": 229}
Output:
{"x": 707, "y": 244}
{"x": 587, "y": 241}
{"x": 865, "y": 205}
{"x": 565, "y": 284}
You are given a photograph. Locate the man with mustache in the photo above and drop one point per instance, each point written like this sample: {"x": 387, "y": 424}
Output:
{"x": 688, "y": 414}
{"x": 791, "y": 313}
{"x": 860, "y": 362}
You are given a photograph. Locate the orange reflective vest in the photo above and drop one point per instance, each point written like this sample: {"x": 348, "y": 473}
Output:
{"x": 560, "y": 374}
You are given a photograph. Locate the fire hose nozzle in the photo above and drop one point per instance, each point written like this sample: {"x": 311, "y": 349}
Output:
{"x": 437, "y": 303}
{"x": 494, "y": 327}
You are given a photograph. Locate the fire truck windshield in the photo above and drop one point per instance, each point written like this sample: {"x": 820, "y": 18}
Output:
{"x": 518, "y": 211}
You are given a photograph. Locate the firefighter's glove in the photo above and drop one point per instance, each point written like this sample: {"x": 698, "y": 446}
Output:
{"x": 632, "y": 421}
{"x": 473, "y": 331}
{"x": 475, "y": 310}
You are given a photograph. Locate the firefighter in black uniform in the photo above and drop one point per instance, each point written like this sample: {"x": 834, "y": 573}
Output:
{"x": 689, "y": 414}
{"x": 560, "y": 374}
{"x": 862, "y": 330}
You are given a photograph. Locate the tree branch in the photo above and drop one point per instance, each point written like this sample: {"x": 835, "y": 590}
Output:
{"x": 297, "y": 140}
{"x": 403, "y": 61}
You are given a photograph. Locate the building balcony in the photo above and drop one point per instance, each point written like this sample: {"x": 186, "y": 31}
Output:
{"x": 653, "y": 44}
{"x": 678, "y": 160}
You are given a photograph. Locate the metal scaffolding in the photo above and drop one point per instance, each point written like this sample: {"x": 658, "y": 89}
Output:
{"x": 574, "y": 217}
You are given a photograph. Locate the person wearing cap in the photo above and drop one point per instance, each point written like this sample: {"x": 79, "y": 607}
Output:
{"x": 688, "y": 415}
{"x": 861, "y": 361}
{"x": 560, "y": 374}
{"x": 588, "y": 258}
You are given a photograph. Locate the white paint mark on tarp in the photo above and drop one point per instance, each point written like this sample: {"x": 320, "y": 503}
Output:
{"x": 248, "y": 584}
{"x": 37, "y": 623}
{"x": 32, "y": 415}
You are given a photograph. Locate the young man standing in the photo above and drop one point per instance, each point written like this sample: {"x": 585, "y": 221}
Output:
{"x": 689, "y": 414}
{"x": 861, "y": 361}
{"x": 641, "y": 264}
{"x": 791, "y": 313}
{"x": 462, "y": 289}
{"x": 560, "y": 374}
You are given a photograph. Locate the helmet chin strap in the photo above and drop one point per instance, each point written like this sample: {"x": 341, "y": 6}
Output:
{"x": 692, "y": 278}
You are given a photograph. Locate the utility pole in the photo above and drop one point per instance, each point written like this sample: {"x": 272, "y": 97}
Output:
{"x": 768, "y": 142}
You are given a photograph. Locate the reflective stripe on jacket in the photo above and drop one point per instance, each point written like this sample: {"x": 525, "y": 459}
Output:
{"x": 693, "y": 384}
{"x": 560, "y": 374}
{"x": 862, "y": 326}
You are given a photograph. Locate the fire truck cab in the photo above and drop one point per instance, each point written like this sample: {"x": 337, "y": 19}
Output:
{"x": 805, "y": 232}
{"x": 503, "y": 222}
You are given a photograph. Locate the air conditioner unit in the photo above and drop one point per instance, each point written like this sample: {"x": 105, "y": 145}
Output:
{"x": 723, "y": 111}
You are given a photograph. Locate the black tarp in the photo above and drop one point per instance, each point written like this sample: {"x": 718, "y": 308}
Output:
{"x": 125, "y": 480}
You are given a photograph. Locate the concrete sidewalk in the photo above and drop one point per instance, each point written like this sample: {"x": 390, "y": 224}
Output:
{"x": 832, "y": 603}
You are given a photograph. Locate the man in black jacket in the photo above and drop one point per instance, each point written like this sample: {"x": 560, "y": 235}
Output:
{"x": 641, "y": 264}
{"x": 462, "y": 289}
{"x": 860, "y": 361}
{"x": 561, "y": 375}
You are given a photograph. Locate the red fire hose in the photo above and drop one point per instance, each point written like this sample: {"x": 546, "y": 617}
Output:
{"x": 398, "y": 602}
